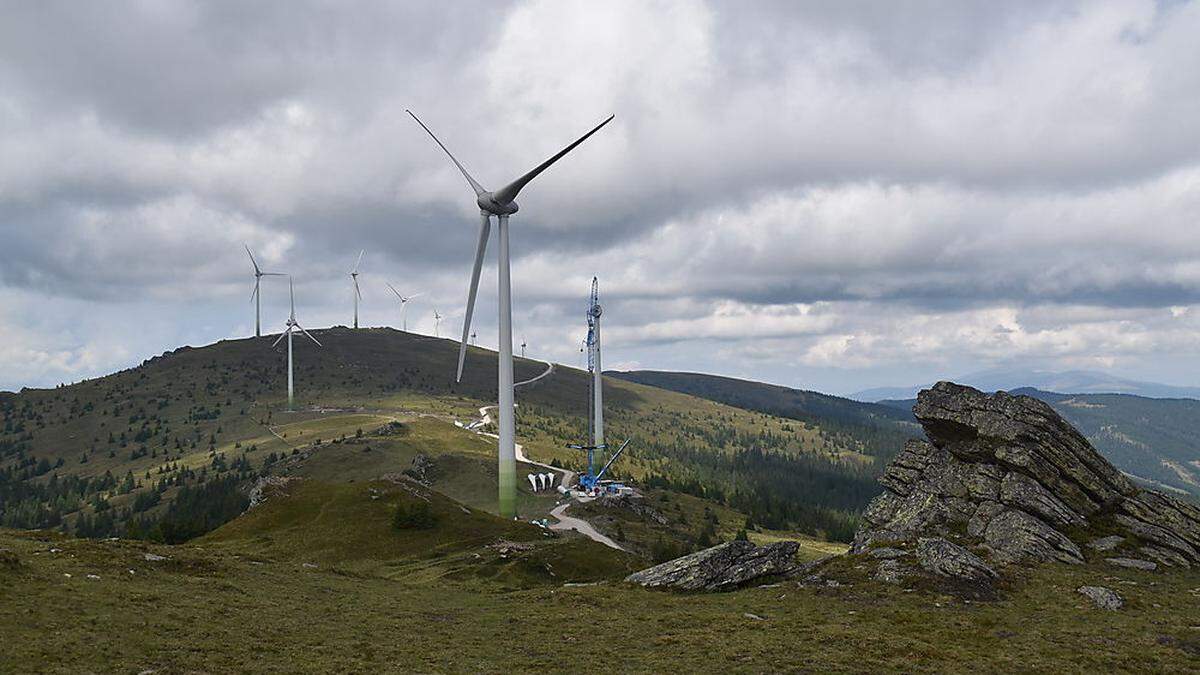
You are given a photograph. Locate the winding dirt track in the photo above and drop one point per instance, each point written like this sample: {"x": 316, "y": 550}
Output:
{"x": 549, "y": 369}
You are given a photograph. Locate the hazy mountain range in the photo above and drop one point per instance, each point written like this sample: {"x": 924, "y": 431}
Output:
{"x": 1066, "y": 382}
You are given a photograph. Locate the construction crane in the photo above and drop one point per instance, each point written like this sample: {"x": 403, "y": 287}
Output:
{"x": 596, "y": 393}
{"x": 590, "y": 480}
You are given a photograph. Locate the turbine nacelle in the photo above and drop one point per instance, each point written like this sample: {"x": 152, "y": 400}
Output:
{"x": 488, "y": 204}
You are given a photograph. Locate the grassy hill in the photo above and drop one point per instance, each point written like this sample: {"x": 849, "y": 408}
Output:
{"x": 1154, "y": 439}
{"x": 876, "y": 430}
{"x": 121, "y": 449}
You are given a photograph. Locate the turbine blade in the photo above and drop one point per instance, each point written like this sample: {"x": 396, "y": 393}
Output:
{"x": 396, "y": 292}
{"x": 415, "y": 295}
{"x": 359, "y": 261}
{"x": 274, "y": 274}
{"x": 252, "y": 260}
{"x": 474, "y": 184}
{"x": 281, "y": 336}
{"x": 356, "y": 289}
{"x": 255, "y": 291}
{"x": 485, "y": 227}
{"x": 509, "y": 192}
{"x": 292, "y": 293}
{"x": 310, "y": 337}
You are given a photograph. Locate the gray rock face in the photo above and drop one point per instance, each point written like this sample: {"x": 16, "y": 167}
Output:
{"x": 885, "y": 553}
{"x": 1008, "y": 477}
{"x": 1132, "y": 563}
{"x": 1102, "y": 597}
{"x": 722, "y": 567}
{"x": 1107, "y": 543}
{"x": 947, "y": 559}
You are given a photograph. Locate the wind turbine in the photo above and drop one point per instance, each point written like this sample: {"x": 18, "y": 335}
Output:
{"x": 403, "y": 306}
{"x": 523, "y": 345}
{"x": 357, "y": 293}
{"x": 437, "y": 323}
{"x": 292, "y": 325}
{"x": 258, "y": 275}
{"x": 473, "y": 336}
{"x": 502, "y": 205}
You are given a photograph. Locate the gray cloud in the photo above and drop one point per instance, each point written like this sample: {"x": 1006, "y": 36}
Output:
{"x": 814, "y": 193}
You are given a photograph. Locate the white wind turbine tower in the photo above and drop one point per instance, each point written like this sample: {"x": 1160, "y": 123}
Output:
{"x": 403, "y": 306}
{"x": 357, "y": 293}
{"x": 437, "y": 323}
{"x": 473, "y": 336}
{"x": 523, "y": 346}
{"x": 292, "y": 325}
{"x": 502, "y": 205}
{"x": 258, "y": 275}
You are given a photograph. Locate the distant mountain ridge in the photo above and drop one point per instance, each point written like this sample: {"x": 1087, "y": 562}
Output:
{"x": 1065, "y": 382}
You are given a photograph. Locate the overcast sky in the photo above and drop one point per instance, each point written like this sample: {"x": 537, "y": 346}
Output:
{"x": 823, "y": 195}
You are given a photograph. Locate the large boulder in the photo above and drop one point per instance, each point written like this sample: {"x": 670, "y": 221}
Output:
{"x": 722, "y": 567}
{"x": 1007, "y": 477}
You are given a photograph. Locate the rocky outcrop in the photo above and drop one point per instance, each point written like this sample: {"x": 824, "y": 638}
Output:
{"x": 722, "y": 567}
{"x": 1104, "y": 598}
{"x": 1007, "y": 477}
{"x": 423, "y": 470}
{"x": 391, "y": 429}
{"x": 266, "y": 486}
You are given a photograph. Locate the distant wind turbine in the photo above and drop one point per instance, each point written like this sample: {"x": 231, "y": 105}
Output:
{"x": 523, "y": 345}
{"x": 258, "y": 275}
{"x": 403, "y": 306}
{"x": 292, "y": 325}
{"x": 357, "y": 293}
{"x": 502, "y": 205}
{"x": 473, "y": 336}
{"x": 437, "y": 323}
